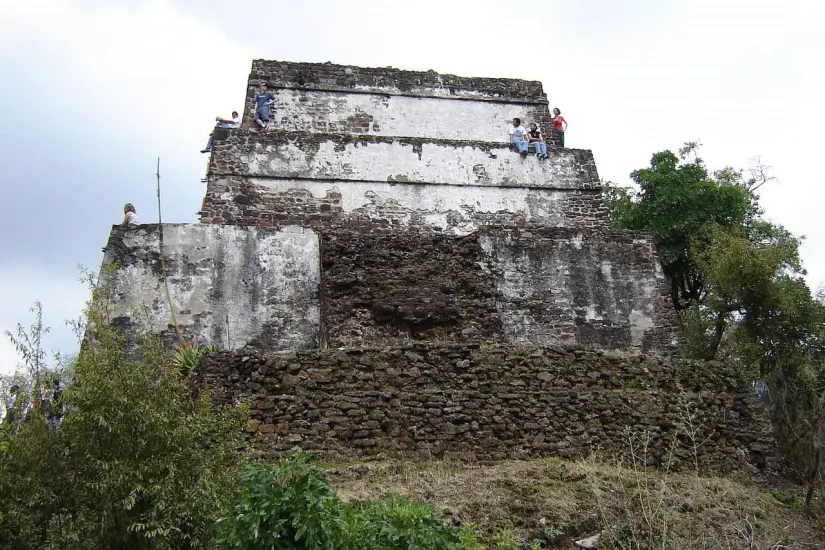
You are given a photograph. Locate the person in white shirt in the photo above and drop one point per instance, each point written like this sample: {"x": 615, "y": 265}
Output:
{"x": 223, "y": 123}
{"x": 517, "y": 133}
{"x": 130, "y": 219}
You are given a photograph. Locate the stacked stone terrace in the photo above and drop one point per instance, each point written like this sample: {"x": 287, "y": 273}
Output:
{"x": 344, "y": 140}
{"x": 389, "y": 279}
{"x": 429, "y": 225}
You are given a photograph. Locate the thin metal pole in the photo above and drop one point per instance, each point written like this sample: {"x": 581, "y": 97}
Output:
{"x": 163, "y": 262}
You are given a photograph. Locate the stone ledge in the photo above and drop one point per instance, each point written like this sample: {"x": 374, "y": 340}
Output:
{"x": 390, "y": 91}
{"x": 389, "y": 159}
{"x": 228, "y": 135}
{"x": 391, "y": 81}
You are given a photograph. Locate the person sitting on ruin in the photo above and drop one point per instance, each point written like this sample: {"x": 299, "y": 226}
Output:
{"x": 223, "y": 123}
{"x": 263, "y": 100}
{"x": 535, "y": 139}
{"x": 130, "y": 219}
{"x": 559, "y": 125}
{"x": 517, "y": 132}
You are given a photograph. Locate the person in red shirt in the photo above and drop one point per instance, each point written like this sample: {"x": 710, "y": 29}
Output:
{"x": 559, "y": 125}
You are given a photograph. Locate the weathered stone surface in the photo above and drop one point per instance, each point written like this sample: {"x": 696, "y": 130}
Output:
{"x": 402, "y": 285}
{"x": 229, "y": 286}
{"x": 420, "y": 403}
{"x": 281, "y": 289}
{"x": 308, "y": 110}
{"x": 580, "y": 287}
{"x": 390, "y": 81}
{"x": 543, "y": 286}
{"x": 397, "y": 160}
{"x": 454, "y": 209}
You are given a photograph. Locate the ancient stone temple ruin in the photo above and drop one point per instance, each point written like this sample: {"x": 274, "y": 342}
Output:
{"x": 389, "y": 278}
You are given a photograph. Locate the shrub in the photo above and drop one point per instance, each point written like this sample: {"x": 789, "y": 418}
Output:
{"x": 189, "y": 355}
{"x": 136, "y": 461}
{"x": 290, "y": 506}
{"x": 399, "y": 524}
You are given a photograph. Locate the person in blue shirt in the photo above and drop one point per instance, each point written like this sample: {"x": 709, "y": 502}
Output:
{"x": 263, "y": 99}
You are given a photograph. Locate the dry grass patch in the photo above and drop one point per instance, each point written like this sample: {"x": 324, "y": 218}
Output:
{"x": 514, "y": 503}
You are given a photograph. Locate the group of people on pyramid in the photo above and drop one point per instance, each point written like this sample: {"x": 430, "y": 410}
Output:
{"x": 522, "y": 140}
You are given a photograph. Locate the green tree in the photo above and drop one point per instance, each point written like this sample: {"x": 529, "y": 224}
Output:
{"x": 722, "y": 260}
{"x": 28, "y": 342}
{"x": 737, "y": 281}
{"x": 680, "y": 203}
{"x": 753, "y": 275}
{"x": 793, "y": 359}
{"x": 137, "y": 461}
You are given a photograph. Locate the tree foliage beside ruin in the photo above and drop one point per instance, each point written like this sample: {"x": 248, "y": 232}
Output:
{"x": 737, "y": 281}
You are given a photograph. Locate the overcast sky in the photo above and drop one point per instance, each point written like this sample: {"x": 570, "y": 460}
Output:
{"x": 93, "y": 91}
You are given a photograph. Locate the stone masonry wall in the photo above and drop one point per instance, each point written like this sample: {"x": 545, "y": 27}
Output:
{"x": 562, "y": 287}
{"x": 349, "y": 283}
{"x": 492, "y": 402}
{"x": 267, "y": 180}
{"x": 381, "y": 114}
{"x": 396, "y": 286}
{"x": 316, "y": 103}
{"x": 396, "y": 159}
{"x": 533, "y": 285}
{"x": 328, "y": 76}
{"x": 452, "y": 209}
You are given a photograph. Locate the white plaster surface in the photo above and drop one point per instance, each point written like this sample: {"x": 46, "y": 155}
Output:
{"x": 392, "y": 115}
{"x": 229, "y": 285}
{"x": 400, "y": 162}
{"x": 612, "y": 292}
{"x": 455, "y": 209}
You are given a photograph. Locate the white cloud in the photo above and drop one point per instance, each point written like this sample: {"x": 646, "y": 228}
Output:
{"x": 120, "y": 83}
